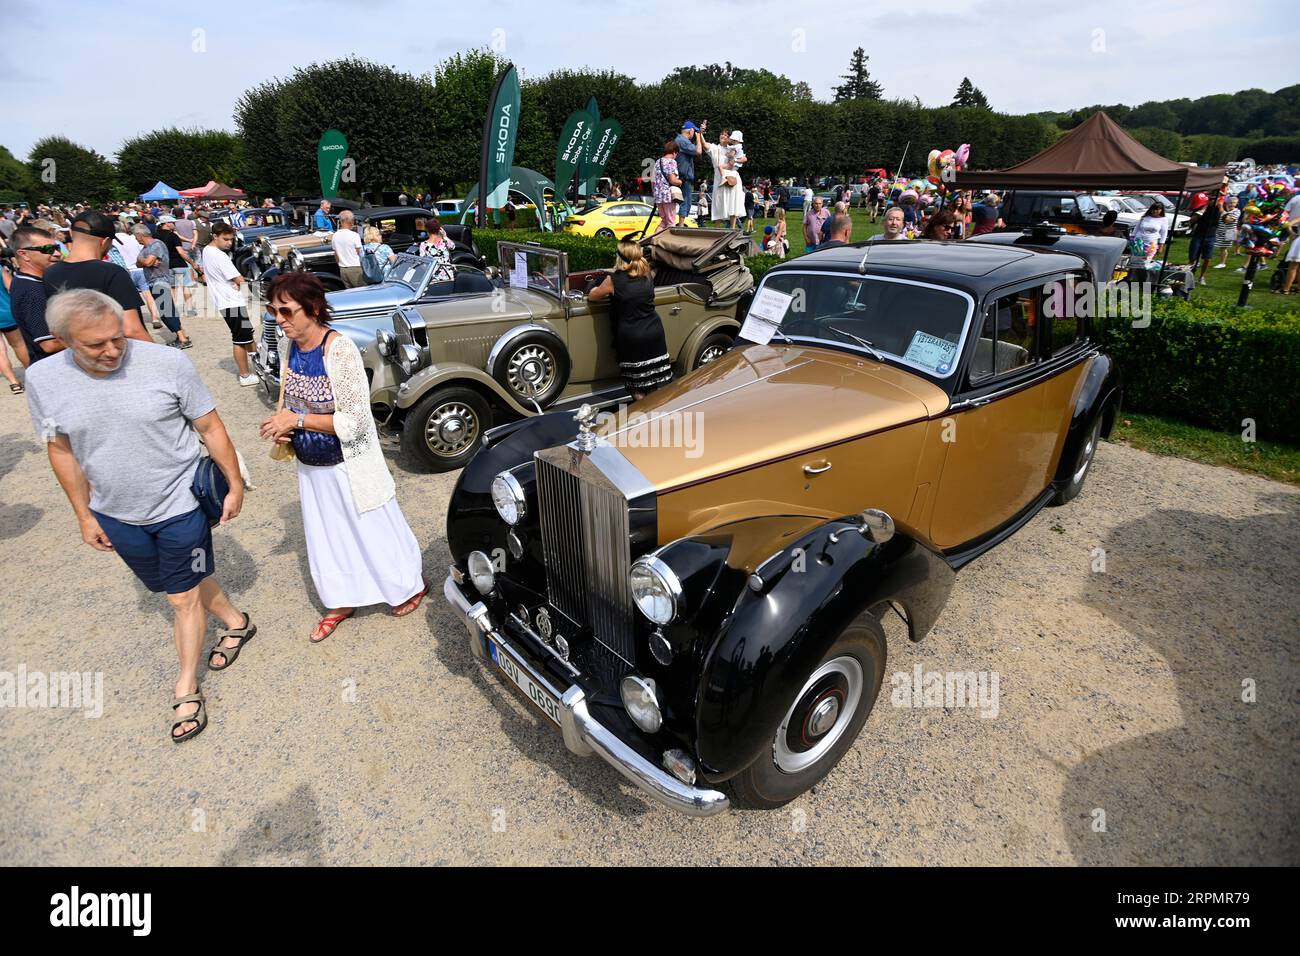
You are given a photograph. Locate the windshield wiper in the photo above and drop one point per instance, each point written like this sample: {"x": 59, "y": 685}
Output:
{"x": 875, "y": 353}
{"x": 784, "y": 337}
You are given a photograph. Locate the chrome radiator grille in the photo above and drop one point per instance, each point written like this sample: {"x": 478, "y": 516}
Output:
{"x": 588, "y": 554}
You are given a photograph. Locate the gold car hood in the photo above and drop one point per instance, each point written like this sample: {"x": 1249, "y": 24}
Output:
{"x": 759, "y": 403}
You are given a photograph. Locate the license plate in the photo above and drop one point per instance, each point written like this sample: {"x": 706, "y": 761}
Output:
{"x": 547, "y": 704}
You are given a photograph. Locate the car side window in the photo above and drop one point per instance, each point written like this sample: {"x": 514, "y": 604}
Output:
{"x": 1007, "y": 335}
{"x": 1061, "y": 314}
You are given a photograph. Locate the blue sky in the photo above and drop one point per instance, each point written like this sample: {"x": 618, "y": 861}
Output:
{"x": 102, "y": 71}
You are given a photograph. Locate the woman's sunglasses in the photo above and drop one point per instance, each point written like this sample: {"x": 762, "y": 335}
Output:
{"x": 285, "y": 311}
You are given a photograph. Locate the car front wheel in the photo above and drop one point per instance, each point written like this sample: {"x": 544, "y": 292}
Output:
{"x": 712, "y": 348}
{"x": 822, "y": 721}
{"x": 445, "y": 429}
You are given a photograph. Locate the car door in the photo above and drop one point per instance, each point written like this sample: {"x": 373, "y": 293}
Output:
{"x": 999, "y": 439}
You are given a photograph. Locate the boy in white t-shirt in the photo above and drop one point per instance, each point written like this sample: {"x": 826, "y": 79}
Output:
{"x": 225, "y": 289}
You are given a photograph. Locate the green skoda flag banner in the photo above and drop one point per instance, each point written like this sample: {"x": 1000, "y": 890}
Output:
{"x": 568, "y": 153}
{"x": 588, "y": 143}
{"x": 500, "y": 130}
{"x": 330, "y": 153}
{"x": 604, "y": 139}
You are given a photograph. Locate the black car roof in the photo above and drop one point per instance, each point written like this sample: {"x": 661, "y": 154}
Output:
{"x": 973, "y": 266}
{"x": 383, "y": 212}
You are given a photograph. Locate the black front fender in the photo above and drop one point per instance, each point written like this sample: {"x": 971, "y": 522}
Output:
{"x": 472, "y": 520}
{"x": 783, "y": 621}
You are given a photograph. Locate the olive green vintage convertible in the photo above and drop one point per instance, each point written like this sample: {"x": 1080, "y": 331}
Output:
{"x": 454, "y": 366}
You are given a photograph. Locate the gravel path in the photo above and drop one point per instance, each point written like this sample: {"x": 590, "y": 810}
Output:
{"x": 1121, "y": 734}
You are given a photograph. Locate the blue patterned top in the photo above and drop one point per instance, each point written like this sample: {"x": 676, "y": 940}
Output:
{"x": 307, "y": 392}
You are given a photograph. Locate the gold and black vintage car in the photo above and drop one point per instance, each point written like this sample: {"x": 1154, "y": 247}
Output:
{"x": 696, "y": 592}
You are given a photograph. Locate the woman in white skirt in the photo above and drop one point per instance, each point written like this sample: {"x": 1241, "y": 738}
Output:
{"x": 359, "y": 546}
{"x": 728, "y": 191}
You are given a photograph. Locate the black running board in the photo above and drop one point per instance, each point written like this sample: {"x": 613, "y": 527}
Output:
{"x": 964, "y": 554}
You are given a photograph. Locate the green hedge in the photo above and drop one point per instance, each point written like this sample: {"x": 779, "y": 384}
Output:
{"x": 1212, "y": 365}
{"x": 585, "y": 252}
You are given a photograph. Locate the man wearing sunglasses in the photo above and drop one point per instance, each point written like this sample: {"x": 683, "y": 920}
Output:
{"x": 84, "y": 267}
{"x": 34, "y": 251}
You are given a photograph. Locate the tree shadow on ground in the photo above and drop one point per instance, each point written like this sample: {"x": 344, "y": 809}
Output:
{"x": 1215, "y": 598}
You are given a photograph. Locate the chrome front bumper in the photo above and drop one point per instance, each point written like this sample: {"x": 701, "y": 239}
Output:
{"x": 582, "y": 733}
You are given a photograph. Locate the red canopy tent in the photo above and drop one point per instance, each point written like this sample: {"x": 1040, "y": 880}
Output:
{"x": 214, "y": 190}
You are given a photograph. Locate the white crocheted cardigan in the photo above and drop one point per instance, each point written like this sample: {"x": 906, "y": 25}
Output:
{"x": 363, "y": 459}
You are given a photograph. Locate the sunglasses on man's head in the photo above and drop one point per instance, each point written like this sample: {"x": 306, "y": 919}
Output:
{"x": 47, "y": 250}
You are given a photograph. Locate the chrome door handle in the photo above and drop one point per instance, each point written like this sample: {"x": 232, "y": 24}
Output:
{"x": 674, "y": 310}
{"x": 816, "y": 469}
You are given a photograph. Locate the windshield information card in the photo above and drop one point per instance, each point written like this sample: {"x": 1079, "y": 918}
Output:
{"x": 932, "y": 352}
{"x": 765, "y": 315}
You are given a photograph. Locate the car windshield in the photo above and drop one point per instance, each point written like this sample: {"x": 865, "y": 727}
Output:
{"x": 919, "y": 325}
{"x": 409, "y": 270}
{"x": 531, "y": 267}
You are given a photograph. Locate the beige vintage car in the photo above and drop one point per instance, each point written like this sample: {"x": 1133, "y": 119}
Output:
{"x": 454, "y": 367}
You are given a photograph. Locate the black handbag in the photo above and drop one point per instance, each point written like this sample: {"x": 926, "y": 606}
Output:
{"x": 209, "y": 488}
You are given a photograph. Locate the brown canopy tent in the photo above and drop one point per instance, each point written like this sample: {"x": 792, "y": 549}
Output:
{"x": 1097, "y": 154}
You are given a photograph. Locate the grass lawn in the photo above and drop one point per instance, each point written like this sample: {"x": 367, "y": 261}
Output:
{"x": 1164, "y": 436}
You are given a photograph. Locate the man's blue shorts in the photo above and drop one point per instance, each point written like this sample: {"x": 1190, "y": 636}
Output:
{"x": 181, "y": 278}
{"x": 172, "y": 555}
{"x": 1200, "y": 247}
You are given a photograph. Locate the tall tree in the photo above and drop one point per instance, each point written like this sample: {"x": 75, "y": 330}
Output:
{"x": 182, "y": 157}
{"x": 69, "y": 172}
{"x": 858, "y": 84}
{"x": 970, "y": 95}
{"x": 16, "y": 182}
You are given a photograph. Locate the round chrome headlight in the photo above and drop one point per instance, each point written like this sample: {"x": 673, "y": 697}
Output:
{"x": 655, "y": 589}
{"x": 408, "y": 358}
{"x": 295, "y": 260}
{"x": 508, "y": 498}
{"x": 641, "y": 702}
{"x": 481, "y": 572}
{"x": 384, "y": 341}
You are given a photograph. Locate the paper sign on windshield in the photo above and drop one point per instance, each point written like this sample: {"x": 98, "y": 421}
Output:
{"x": 930, "y": 351}
{"x": 765, "y": 314}
{"x": 519, "y": 274}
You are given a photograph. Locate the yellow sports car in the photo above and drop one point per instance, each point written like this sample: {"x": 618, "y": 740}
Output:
{"x": 617, "y": 218}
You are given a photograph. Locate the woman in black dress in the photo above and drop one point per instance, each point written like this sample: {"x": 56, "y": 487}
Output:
{"x": 643, "y": 358}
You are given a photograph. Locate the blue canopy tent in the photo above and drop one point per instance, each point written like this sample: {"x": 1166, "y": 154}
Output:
{"x": 160, "y": 191}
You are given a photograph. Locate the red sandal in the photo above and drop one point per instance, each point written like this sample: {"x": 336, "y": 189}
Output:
{"x": 411, "y": 603}
{"x": 330, "y": 623}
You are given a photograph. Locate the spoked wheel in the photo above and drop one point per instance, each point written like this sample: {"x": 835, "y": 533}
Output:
{"x": 1081, "y": 465}
{"x": 823, "y": 719}
{"x": 533, "y": 367}
{"x": 713, "y": 348}
{"x": 446, "y": 428}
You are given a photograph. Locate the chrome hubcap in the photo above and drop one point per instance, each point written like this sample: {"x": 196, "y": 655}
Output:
{"x": 531, "y": 371}
{"x": 451, "y": 429}
{"x": 820, "y": 715}
{"x": 1088, "y": 450}
{"x": 711, "y": 354}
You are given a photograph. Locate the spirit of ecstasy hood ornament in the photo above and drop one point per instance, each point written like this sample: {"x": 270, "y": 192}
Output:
{"x": 585, "y": 417}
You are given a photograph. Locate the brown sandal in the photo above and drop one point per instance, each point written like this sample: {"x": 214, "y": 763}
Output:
{"x": 199, "y": 717}
{"x": 330, "y": 623}
{"x": 243, "y": 634}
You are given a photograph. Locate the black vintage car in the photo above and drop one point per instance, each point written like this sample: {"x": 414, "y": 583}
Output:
{"x": 402, "y": 228}
{"x": 708, "y": 612}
